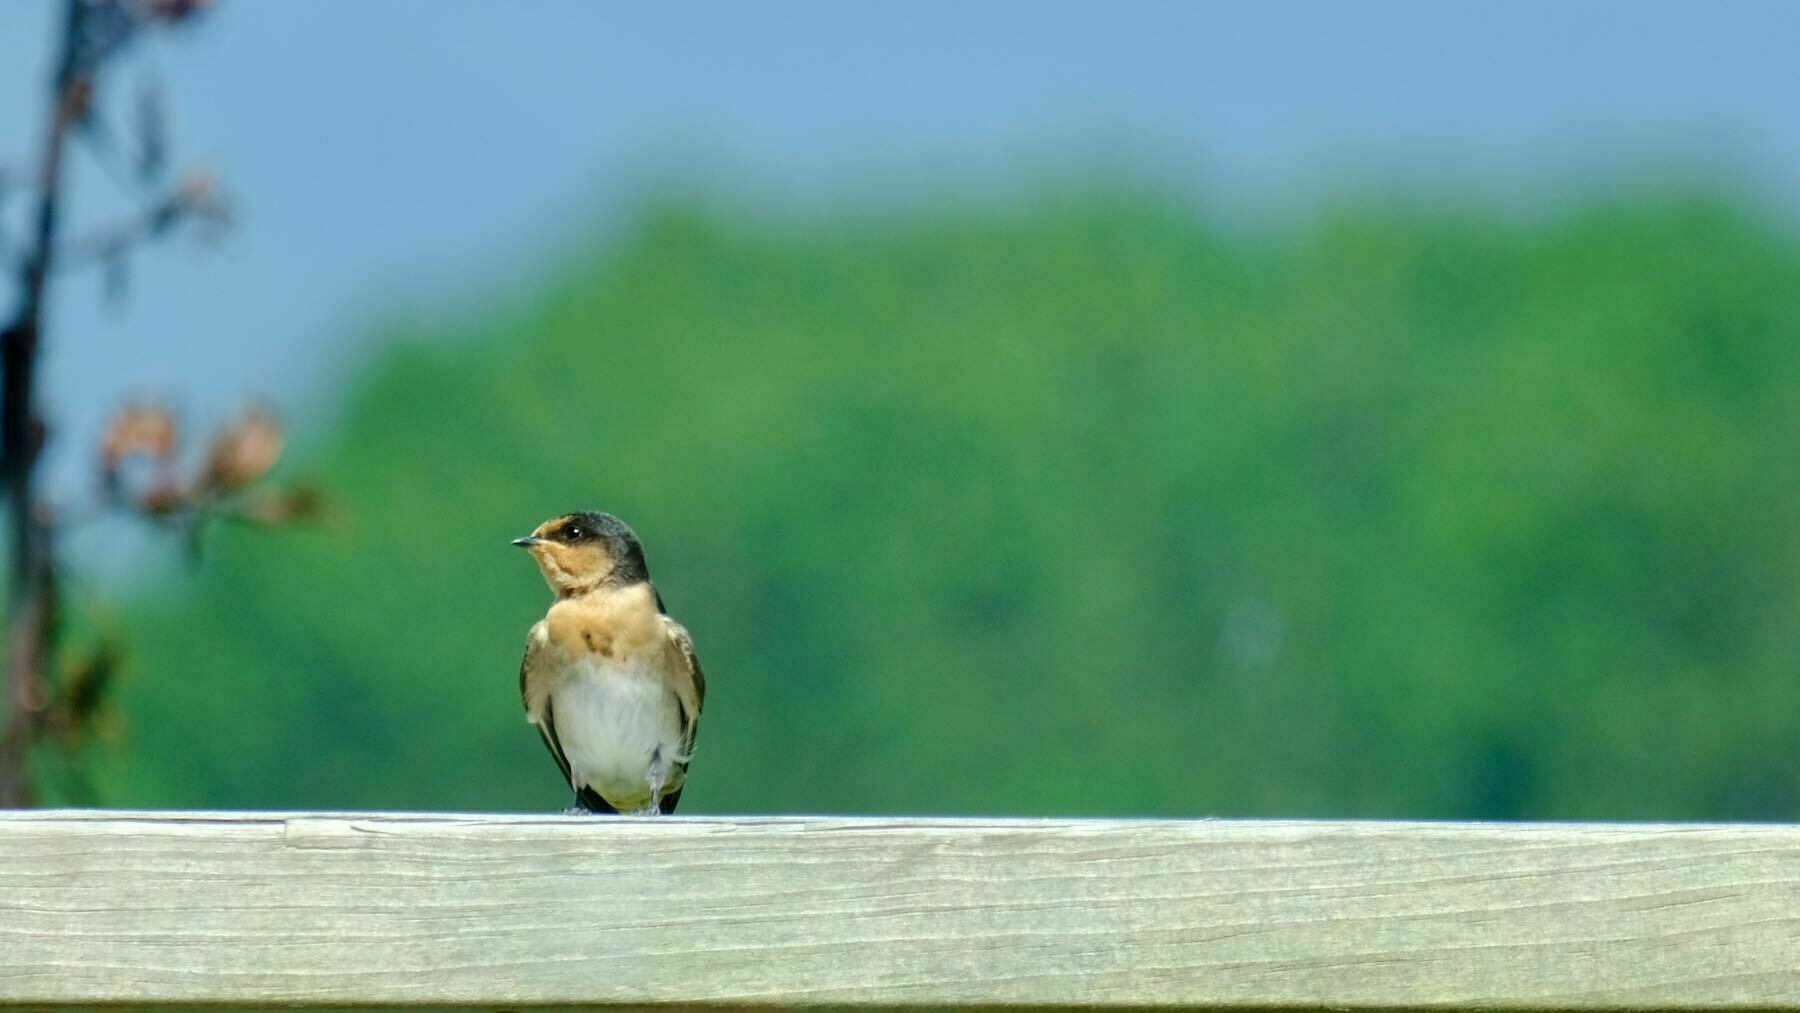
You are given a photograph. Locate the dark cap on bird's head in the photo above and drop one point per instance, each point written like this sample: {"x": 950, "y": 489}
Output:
{"x": 580, "y": 551}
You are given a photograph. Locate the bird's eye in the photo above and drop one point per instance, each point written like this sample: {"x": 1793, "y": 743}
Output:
{"x": 574, "y": 533}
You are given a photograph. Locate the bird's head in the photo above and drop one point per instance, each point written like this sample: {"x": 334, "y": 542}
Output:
{"x": 579, "y": 552}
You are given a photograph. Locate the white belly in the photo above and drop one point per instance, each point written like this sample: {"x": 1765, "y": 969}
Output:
{"x": 616, "y": 723}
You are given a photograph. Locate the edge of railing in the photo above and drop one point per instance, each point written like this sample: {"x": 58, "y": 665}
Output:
{"x": 419, "y": 910}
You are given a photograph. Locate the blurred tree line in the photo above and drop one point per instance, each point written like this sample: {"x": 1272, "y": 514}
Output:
{"x": 1083, "y": 507}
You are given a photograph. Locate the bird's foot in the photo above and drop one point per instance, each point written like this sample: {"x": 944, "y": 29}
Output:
{"x": 576, "y": 810}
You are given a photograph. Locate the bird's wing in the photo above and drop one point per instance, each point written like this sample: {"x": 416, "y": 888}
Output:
{"x": 689, "y": 685}
{"x": 534, "y": 682}
{"x": 686, "y": 678}
{"x": 534, "y": 691}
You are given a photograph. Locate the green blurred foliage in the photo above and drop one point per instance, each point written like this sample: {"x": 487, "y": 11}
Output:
{"x": 1083, "y": 507}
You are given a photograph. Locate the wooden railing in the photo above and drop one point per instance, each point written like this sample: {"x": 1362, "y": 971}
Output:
{"x": 404, "y": 910}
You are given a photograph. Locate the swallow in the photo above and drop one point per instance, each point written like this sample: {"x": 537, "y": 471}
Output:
{"x": 611, "y": 682}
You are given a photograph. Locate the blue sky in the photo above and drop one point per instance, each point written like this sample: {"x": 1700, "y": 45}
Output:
{"x": 407, "y": 159}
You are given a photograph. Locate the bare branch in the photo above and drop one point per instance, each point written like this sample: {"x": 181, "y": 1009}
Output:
{"x": 93, "y": 32}
{"x": 31, "y": 585}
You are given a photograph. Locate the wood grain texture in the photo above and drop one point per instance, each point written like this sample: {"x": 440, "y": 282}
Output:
{"x": 377, "y": 910}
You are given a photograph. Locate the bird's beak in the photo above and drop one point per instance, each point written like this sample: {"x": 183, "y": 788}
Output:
{"x": 528, "y": 541}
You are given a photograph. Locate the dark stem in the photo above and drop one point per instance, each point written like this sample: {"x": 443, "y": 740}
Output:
{"x": 30, "y": 590}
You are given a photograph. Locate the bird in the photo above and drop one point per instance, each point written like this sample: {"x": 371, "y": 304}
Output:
{"x": 609, "y": 679}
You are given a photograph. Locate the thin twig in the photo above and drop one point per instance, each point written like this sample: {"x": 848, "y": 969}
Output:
{"x": 195, "y": 200}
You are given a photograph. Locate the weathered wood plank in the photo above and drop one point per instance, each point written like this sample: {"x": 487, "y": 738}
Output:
{"x": 508, "y": 911}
